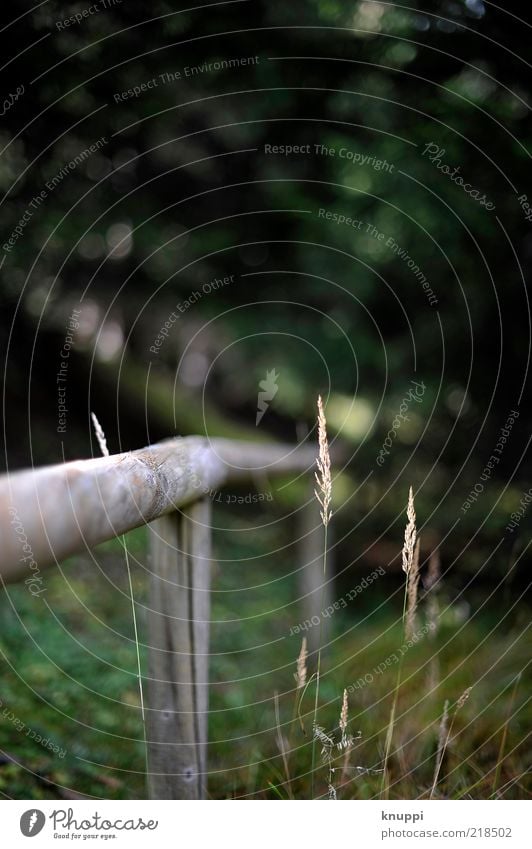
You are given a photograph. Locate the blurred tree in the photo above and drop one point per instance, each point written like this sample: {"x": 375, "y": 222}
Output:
{"x": 183, "y": 187}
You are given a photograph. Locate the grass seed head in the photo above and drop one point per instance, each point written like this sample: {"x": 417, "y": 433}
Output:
{"x": 410, "y": 534}
{"x": 323, "y": 462}
{"x": 463, "y": 698}
{"x": 344, "y": 713}
{"x": 411, "y": 592}
{"x": 301, "y": 674}
{"x": 100, "y": 436}
{"x": 442, "y": 743}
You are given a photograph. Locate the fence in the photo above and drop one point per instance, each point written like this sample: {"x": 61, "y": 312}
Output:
{"x": 56, "y": 511}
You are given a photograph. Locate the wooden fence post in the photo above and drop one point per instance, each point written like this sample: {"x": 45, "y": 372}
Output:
{"x": 179, "y": 615}
{"x": 316, "y": 593}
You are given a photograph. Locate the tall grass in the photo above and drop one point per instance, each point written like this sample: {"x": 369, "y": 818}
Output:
{"x": 445, "y": 735}
{"x": 410, "y": 557}
{"x": 324, "y": 496}
{"x": 422, "y": 771}
{"x": 500, "y": 757}
{"x": 102, "y": 442}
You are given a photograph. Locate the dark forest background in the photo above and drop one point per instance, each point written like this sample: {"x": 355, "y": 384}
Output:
{"x": 182, "y": 192}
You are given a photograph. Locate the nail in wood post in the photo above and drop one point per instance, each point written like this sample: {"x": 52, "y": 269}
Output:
{"x": 177, "y": 713}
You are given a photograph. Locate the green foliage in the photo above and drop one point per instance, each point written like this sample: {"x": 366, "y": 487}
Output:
{"x": 74, "y": 684}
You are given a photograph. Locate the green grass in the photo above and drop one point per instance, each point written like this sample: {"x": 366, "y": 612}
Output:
{"x": 69, "y": 674}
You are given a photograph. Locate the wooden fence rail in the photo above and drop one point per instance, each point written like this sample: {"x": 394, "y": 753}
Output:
{"x": 53, "y": 512}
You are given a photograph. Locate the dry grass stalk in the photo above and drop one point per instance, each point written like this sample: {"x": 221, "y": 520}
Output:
{"x": 102, "y": 442}
{"x": 463, "y": 698}
{"x": 412, "y": 582}
{"x": 409, "y": 547}
{"x": 281, "y": 743}
{"x": 327, "y": 749}
{"x": 445, "y": 733}
{"x": 444, "y": 725}
{"x": 410, "y": 534}
{"x": 344, "y": 714}
{"x": 301, "y": 674}
{"x": 323, "y": 462}
{"x": 323, "y": 494}
{"x": 442, "y": 744}
{"x": 346, "y": 740}
{"x": 329, "y": 746}
{"x": 100, "y": 436}
{"x": 327, "y": 743}
{"x": 502, "y": 747}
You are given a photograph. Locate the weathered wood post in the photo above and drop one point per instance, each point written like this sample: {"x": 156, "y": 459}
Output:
{"x": 180, "y": 545}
